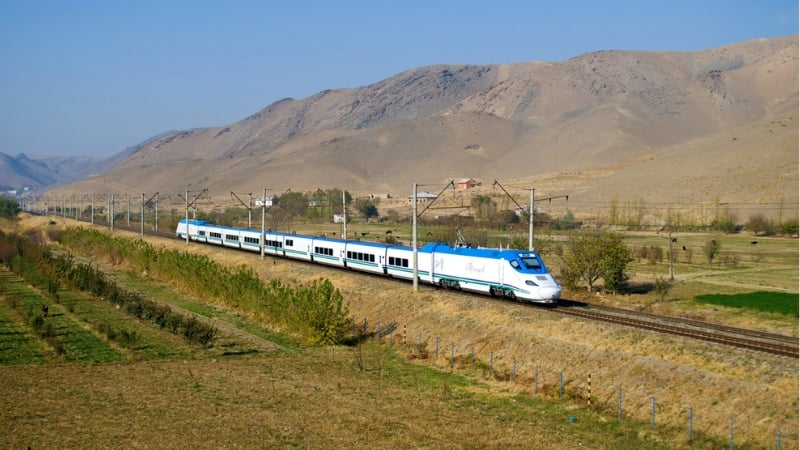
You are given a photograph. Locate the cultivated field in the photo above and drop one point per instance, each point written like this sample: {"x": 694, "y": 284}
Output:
{"x": 253, "y": 387}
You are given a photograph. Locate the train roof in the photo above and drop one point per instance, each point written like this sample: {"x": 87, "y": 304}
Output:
{"x": 194, "y": 221}
{"x": 474, "y": 251}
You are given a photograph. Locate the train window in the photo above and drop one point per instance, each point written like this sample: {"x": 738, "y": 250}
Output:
{"x": 215, "y": 235}
{"x": 231, "y": 237}
{"x": 290, "y": 242}
{"x": 515, "y": 264}
{"x": 323, "y": 251}
{"x": 399, "y": 262}
{"x": 202, "y": 233}
{"x": 371, "y": 258}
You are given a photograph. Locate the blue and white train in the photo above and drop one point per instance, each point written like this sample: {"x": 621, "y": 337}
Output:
{"x": 516, "y": 274}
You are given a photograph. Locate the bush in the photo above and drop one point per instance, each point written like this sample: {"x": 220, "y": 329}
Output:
{"x": 789, "y": 228}
{"x": 662, "y": 288}
{"x": 760, "y": 225}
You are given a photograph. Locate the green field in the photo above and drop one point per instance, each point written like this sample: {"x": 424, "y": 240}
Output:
{"x": 773, "y": 302}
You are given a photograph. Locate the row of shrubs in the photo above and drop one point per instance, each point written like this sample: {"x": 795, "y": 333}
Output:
{"x": 315, "y": 312}
{"x": 40, "y": 267}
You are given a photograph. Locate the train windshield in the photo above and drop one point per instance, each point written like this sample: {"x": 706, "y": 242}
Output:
{"x": 531, "y": 262}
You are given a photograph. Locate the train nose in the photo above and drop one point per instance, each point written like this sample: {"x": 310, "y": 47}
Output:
{"x": 550, "y": 292}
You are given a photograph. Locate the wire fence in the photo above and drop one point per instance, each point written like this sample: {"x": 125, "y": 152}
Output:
{"x": 573, "y": 389}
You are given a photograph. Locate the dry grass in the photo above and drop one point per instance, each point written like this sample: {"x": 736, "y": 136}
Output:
{"x": 759, "y": 391}
{"x": 279, "y": 401}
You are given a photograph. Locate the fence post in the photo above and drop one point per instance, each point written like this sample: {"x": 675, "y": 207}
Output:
{"x": 419, "y": 344}
{"x": 404, "y": 334}
{"x": 452, "y": 354}
{"x": 561, "y": 385}
{"x": 379, "y": 332}
{"x": 491, "y": 364}
{"x": 365, "y": 326}
{"x": 536, "y": 380}
{"x": 514, "y": 371}
{"x": 473, "y": 356}
{"x": 691, "y": 425}
{"x": 619, "y": 404}
{"x": 731, "y": 433}
{"x": 779, "y": 439}
{"x": 653, "y": 413}
{"x": 589, "y": 392}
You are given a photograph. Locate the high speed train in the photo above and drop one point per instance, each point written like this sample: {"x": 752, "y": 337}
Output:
{"x": 515, "y": 274}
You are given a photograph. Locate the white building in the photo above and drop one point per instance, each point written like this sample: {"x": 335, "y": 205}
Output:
{"x": 271, "y": 201}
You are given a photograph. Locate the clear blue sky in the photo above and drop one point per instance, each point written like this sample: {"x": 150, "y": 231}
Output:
{"x": 93, "y": 77}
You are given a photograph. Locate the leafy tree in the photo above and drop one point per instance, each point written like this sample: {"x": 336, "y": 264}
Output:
{"x": 589, "y": 257}
{"x": 8, "y": 207}
{"x": 711, "y": 249}
{"x": 294, "y": 203}
{"x": 367, "y": 208}
{"x": 507, "y": 217}
{"x": 565, "y": 222}
{"x": 484, "y": 206}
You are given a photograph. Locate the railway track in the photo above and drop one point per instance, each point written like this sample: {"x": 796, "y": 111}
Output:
{"x": 776, "y": 344}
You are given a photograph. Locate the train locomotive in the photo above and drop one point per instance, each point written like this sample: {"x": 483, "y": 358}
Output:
{"x": 515, "y": 274}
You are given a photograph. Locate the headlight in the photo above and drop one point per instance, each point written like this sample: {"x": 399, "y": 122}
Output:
{"x": 530, "y": 283}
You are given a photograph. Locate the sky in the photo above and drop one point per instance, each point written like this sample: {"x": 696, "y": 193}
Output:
{"x": 94, "y": 77}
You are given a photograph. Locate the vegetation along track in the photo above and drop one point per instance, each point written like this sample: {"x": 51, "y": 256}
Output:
{"x": 707, "y": 331}
{"x": 777, "y": 344}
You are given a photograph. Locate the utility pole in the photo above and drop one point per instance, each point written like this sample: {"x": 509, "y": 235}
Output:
{"x": 149, "y": 201}
{"x": 187, "y": 216}
{"x": 671, "y": 268}
{"x": 530, "y": 212}
{"x": 530, "y": 224}
{"x": 263, "y": 222}
{"x": 344, "y": 216}
{"x": 156, "y": 211}
{"x": 197, "y": 196}
{"x": 414, "y": 237}
{"x": 249, "y": 209}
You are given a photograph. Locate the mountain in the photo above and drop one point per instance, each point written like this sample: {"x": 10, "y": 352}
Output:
{"x": 718, "y": 125}
{"x": 20, "y": 171}
{"x": 42, "y": 172}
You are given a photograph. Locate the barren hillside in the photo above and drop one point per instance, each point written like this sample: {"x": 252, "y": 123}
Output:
{"x": 711, "y": 126}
